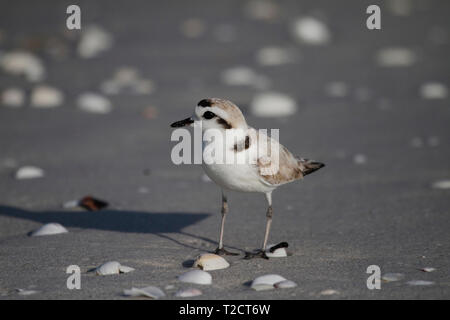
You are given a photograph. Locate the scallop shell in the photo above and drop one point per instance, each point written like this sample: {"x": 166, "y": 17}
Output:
{"x": 196, "y": 276}
{"x": 266, "y": 282}
{"x": 285, "y": 284}
{"x": 210, "y": 261}
{"x": 281, "y": 252}
{"x": 150, "y": 292}
{"x": 49, "y": 229}
{"x": 187, "y": 293}
{"x": 112, "y": 267}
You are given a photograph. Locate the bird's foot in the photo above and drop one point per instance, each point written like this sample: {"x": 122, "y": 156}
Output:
{"x": 223, "y": 252}
{"x": 256, "y": 254}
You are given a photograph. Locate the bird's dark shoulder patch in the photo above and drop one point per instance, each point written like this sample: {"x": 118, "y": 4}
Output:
{"x": 243, "y": 145}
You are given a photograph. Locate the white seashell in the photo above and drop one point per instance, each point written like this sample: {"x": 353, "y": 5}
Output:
{"x": 239, "y": 76}
{"x": 210, "y": 261}
{"x": 112, "y": 267}
{"x": 420, "y": 283}
{"x": 278, "y": 253}
{"x": 391, "y": 277}
{"x": 94, "y": 103}
{"x": 13, "y": 97}
{"x": 71, "y": 204}
{"x": 272, "y": 104}
{"x": 286, "y": 284}
{"x": 29, "y": 172}
{"x": 443, "y": 184}
{"x": 187, "y": 293}
{"x": 196, "y": 276}
{"x": 328, "y": 292}
{"x": 150, "y": 292}
{"x": 44, "y": 96}
{"x": 433, "y": 90}
{"x": 24, "y": 292}
{"x": 311, "y": 31}
{"x": 274, "y": 56}
{"x": 94, "y": 40}
{"x": 428, "y": 269}
{"x": 266, "y": 282}
{"x": 49, "y": 229}
{"x": 395, "y": 57}
{"x": 23, "y": 63}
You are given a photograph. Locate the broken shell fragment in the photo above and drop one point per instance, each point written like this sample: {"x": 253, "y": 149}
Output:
{"x": 49, "y": 229}
{"x": 13, "y": 97}
{"x": 150, "y": 292}
{"x": 112, "y": 267}
{"x": 196, "y": 276}
{"x": 273, "y": 104}
{"x": 266, "y": 282}
{"x": 328, "y": 292}
{"x": 286, "y": 284}
{"x": 278, "y": 253}
{"x": 210, "y": 261}
{"x": 187, "y": 293}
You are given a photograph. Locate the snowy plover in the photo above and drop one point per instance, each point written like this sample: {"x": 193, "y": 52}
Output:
{"x": 258, "y": 173}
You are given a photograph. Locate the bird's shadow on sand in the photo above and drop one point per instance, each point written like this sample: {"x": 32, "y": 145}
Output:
{"x": 159, "y": 223}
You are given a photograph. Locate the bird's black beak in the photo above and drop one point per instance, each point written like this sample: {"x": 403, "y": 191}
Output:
{"x": 182, "y": 123}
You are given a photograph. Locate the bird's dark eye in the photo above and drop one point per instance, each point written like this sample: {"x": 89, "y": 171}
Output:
{"x": 208, "y": 115}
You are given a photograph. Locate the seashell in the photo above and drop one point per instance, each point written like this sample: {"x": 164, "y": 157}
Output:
{"x": 273, "y": 104}
{"x": 196, "y": 276}
{"x": 13, "y": 97}
{"x": 29, "y": 172}
{"x": 285, "y": 284}
{"x": 150, "y": 292}
{"x": 420, "y": 283}
{"x": 395, "y": 57}
{"x": 44, "y": 96}
{"x": 443, "y": 184}
{"x": 328, "y": 292}
{"x": 25, "y": 292}
{"x": 391, "y": 277}
{"x": 112, "y": 267}
{"x": 278, "y": 253}
{"x": 187, "y": 293}
{"x": 433, "y": 90}
{"x": 311, "y": 31}
{"x": 23, "y": 63}
{"x": 94, "y": 40}
{"x": 94, "y": 103}
{"x": 274, "y": 56}
{"x": 266, "y": 282}
{"x": 428, "y": 269}
{"x": 49, "y": 229}
{"x": 210, "y": 261}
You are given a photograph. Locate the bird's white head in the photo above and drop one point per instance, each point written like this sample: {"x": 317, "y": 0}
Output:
{"x": 215, "y": 113}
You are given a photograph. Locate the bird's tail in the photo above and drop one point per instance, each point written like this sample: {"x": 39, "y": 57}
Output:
{"x": 309, "y": 166}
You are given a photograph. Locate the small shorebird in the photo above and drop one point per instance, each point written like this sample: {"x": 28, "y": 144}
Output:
{"x": 264, "y": 169}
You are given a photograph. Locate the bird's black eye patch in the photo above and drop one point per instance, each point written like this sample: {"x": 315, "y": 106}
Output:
{"x": 204, "y": 103}
{"x": 208, "y": 115}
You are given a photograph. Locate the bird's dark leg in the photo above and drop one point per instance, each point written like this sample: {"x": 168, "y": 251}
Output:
{"x": 220, "y": 249}
{"x": 262, "y": 253}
